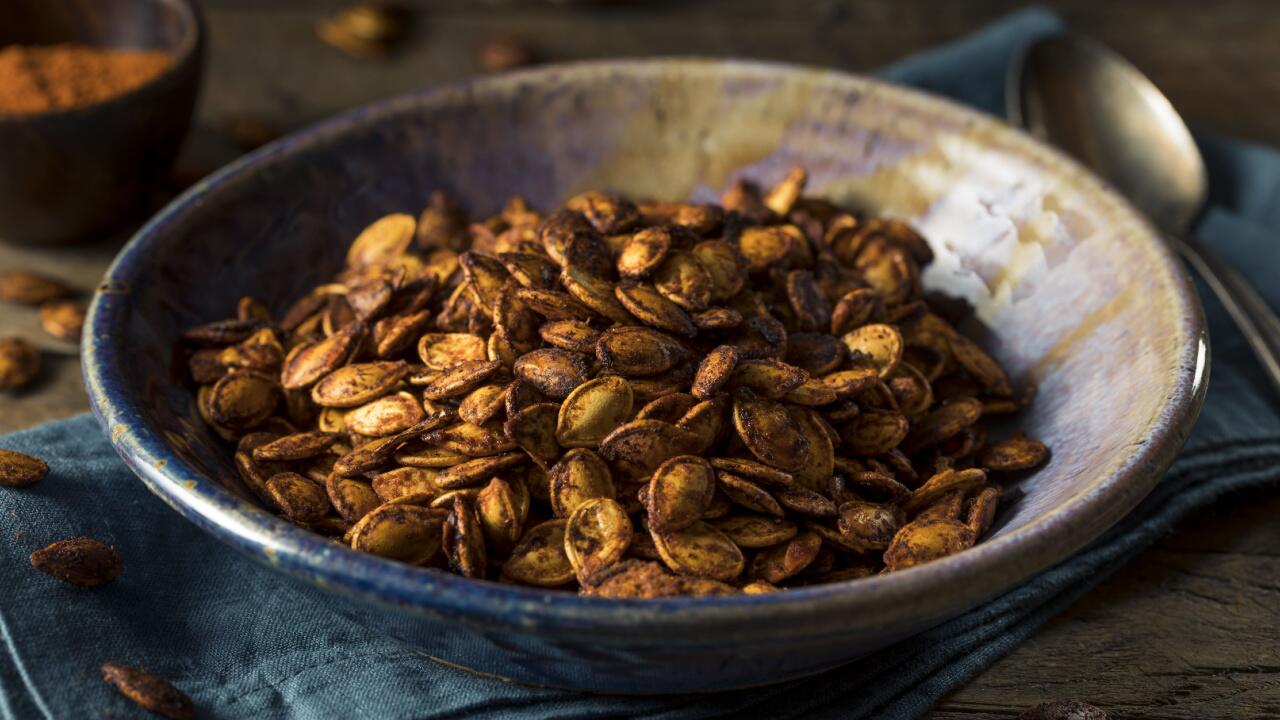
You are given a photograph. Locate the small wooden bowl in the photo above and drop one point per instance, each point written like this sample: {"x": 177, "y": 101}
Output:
{"x": 67, "y": 174}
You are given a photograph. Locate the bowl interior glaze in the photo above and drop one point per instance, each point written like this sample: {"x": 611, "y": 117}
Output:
{"x": 1074, "y": 294}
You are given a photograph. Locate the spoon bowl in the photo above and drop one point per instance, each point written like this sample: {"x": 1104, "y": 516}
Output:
{"x": 1091, "y": 102}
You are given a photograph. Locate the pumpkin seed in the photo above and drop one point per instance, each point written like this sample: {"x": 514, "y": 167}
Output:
{"x": 472, "y": 440}
{"x": 309, "y": 362}
{"x": 942, "y": 423}
{"x": 352, "y": 498}
{"x": 749, "y": 495}
{"x": 474, "y": 472}
{"x": 755, "y": 531}
{"x": 297, "y": 446}
{"x": 715, "y": 371}
{"x": 638, "y": 447}
{"x": 701, "y": 551}
{"x": 768, "y": 377}
{"x": 63, "y": 319}
{"x": 982, "y": 510}
{"x": 854, "y": 309}
{"x": 1016, "y": 453}
{"x": 592, "y": 291}
{"x": 877, "y": 346}
{"x": 921, "y": 541}
{"x": 463, "y": 539}
{"x": 404, "y": 482}
{"x": 81, "y": 561}
{"x": 717, "y": 318}
{"x": 385, "y": 416}
{"x": 644, "y": 252}
{"x": 596, "y": 536}
{"x": 149, "y": 691}
{"x": 383, "y": 241}
{"x": 805, "y": 502}
{"x": 633, "y": 579}
{"x": 682, "y": 280}
{"x": 461, "y": 379}
{"x": 769, "y": 431}
{"x": 29, "y": 288}
{"x": 592, "y": 411}
{"x": 875, "y": 432}
{"x": 501, "y": 508}
{"x": 483, "y": 404}
{"x": 652, "y": 308}
{"x": 531, "y": 270}
{"x": 298, "y": 497}
{"x": 943, "y": 483}
{"x": 680, "y": 492}
{"x": 579, "y": 476}
{"x": 540, "y": 558}
{"x": 786, "y": 559}
{"x": 868, "y": 525}
{"x": 612, "y": 344}
{"x": 782, "y": 197}
{"x": 635, "y": 350}
{"x": 243, "y": 399}
{"x": 704, "y": 423}
{"x": 980, "y": 365}
{"x": 21, "y": 470}
{"x": 446, "y": 351}
{"x": 408, "y": 533}
{"x": 554, "y": 373}
{"x": 572, "y": 335}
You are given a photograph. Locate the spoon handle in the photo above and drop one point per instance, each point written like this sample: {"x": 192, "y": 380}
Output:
{"x": 1250, "y": 312}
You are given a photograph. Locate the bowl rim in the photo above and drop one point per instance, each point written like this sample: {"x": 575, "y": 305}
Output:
{"x": 189, "y": 46}
{"x": 921, "y": 595}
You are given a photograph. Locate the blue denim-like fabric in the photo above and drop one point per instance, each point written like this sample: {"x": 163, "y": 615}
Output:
{"x": 247, "y": 643}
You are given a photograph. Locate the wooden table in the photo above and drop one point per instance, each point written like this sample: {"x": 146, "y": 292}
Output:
{"x": 1191, "y": 629}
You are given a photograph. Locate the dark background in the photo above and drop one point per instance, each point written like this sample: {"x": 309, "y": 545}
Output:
{"x": 1191, "y": 629}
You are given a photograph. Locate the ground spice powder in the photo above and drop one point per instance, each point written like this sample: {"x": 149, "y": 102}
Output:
{"x": 42, "y": 78}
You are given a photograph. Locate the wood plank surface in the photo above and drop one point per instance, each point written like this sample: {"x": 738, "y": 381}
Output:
{"x": 1191, "y": 629}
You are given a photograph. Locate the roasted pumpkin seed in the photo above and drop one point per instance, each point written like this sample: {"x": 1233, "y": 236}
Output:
{"x": 786, "y": 559}
{"x": 592, "y": 411}
{"x": 554, "y": 373}
{"x": 408, "y": 533}
{"x": 700, "y": 550}
{"x": 81, "y": 561}
{"x": 1016, "y": 453}
{"x": 540, "y": 558}
{"x": 596, "y": 536}
{"x": 150, "y": 692}
{"x": 21, "y": 470}
{"x": 751, "y": 376}
{"x": 579, "y": 476}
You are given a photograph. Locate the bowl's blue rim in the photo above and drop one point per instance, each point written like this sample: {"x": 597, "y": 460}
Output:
{"x": 1005, "y": 560}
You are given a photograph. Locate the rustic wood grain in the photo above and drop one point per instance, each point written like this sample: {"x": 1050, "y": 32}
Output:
{"x": 1191, "y": 629}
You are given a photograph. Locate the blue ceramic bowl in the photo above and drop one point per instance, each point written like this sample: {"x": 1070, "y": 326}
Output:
{"x": 1075, "y": 291}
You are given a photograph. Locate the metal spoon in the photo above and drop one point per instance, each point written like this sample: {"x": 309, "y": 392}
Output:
{"x": 1091, "y": 102}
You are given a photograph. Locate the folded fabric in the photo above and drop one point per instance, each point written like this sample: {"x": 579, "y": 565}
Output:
{"x": 244, "y": 642}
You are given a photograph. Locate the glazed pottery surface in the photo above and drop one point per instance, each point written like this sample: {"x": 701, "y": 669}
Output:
{"x": 1073, "y": 293}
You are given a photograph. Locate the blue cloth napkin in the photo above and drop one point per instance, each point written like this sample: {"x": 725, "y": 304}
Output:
{"x": 245, "y": 643}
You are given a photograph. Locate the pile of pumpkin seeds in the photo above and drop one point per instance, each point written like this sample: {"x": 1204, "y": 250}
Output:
{"x": 630, "y": 399}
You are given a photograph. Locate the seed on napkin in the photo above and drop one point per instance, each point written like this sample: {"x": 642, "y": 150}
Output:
{"x": 80, "y": 561}
{"x": 19, "y": 470}
{"x": 153, "y": 693}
